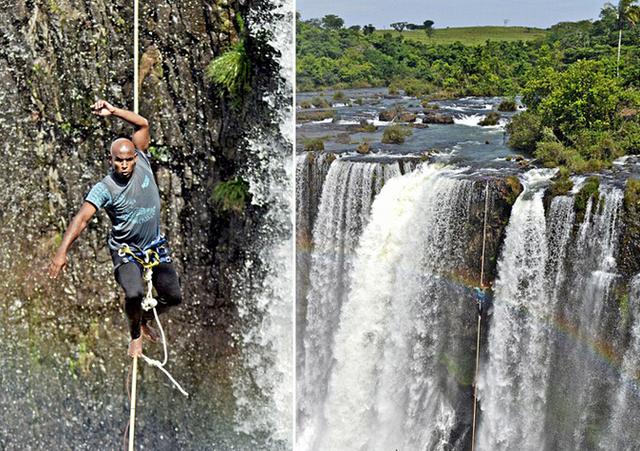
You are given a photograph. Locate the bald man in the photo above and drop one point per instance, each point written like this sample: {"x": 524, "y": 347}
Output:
{"x": 130, "y": 196}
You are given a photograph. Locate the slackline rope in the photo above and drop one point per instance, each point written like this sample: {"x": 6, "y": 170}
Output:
{"x": 475, "y": 378}
{"x": 149, "y": 302}
{"x": 134, "y": 372}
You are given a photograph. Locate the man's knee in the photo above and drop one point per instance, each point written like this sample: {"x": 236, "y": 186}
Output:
{"x": 173, "y": 296}
{"x": 133, "y": 299}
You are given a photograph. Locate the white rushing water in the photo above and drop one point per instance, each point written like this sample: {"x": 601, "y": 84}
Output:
{"x": 264, "y": 399}
{"x": 624, "y": 426}
{"x": 348, "y": 191}
{"x": 513, "y": 384}
{"x": 549, "y": 276}
{"x": 385, "y": 389}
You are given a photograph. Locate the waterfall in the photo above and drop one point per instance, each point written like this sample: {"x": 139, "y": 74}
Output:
{"x": 401, "y": 366}
{"x": 544, "y": 385}
{"x": 347, "y": 193}
{"x": 624, "y": 427}
{"x": 512, "y": 389}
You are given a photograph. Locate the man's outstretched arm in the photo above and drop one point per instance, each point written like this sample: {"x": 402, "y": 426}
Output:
{"x": 78, "y": 224}
{"x": 140, "y": 136}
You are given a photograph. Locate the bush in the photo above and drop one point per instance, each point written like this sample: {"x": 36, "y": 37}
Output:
{"x": 508, "y": 105}
{"x": 429, "y": 106}
{"x": 597, "y": 145}
{"x": 589, "y": 189}
{"x": 395, "y": 134}
{"x": 339, "y": 97}
{"x": 525, "y": 130}
{"x": 411, "y": 87}
{"x": 314, "y": 144}
{"x": 562, "y": 184}
{"x": 554, "y": 153}
{"x": 311, "y": 115}
{"x": 320, "y": 102}
{"x": 490, "y": 119}
{"x": 305, "y": 104}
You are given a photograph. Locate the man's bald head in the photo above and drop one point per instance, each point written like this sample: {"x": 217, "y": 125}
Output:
{"x": 122, "y": 144}
{"x": 123, "y": 157}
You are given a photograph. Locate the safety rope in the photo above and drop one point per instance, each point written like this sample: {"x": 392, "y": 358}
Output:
{"x": 150, "y": 259}
{"x": 475, "y": 378}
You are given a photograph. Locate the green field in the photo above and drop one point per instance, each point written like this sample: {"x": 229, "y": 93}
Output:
{"x": 471, "y": 35}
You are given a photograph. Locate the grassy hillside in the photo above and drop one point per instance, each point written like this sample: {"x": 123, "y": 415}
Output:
{"x": 471, "y": 35}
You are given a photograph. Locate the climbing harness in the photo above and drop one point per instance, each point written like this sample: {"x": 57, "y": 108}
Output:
{"x": 480, "y": 299}
{"x": 148, "y": 259}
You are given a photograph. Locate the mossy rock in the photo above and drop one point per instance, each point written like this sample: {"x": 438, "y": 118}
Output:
{"x": 363, "y": 148}
{"x": 630, "y": 242}
{"x": 561, "y": 185}
{"x": 314, "y": 144}
{"x": 320, "y": 102}
{"x": 363, "y": 127}
{"x": 395, "y": 134}
{"x": 491, "y": 119}
{"x": 589, "y": 189}
{"x": 427, "y": 105}
{"x": 514, "y": 188}
{"x": 508, "y": 105}
{"x": 407, "y": 117}
{"x": 311, "y": 115}
{"x": 339, "y": 97}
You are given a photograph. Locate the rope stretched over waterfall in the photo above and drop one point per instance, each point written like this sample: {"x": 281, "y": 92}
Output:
{"x": 475, "y": 379}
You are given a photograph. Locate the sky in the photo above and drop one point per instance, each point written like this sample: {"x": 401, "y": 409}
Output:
{"x": 454, "y": 13}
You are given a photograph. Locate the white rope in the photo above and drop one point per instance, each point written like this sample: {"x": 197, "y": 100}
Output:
{"x": 134, "y": 376}
{"x": 150, "y": 303}
{"x": 135, "y": 56}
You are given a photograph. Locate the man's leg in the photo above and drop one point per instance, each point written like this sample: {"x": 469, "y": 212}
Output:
{"x": 167, "y": 285}
{"x": 129, "y": 276}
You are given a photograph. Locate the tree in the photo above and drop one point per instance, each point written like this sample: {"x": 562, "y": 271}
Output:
{"x": 354, "y": 27}
{"x": 332, "y": 22}
{"x": 627, "y": 11}
{"x": 428, "y": 27}
{"x": 399, "y": 26}
{"x": 368, "y": 29}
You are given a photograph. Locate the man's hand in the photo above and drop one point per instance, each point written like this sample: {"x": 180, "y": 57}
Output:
{"x": 102, "y": 108}
{"x": 58, "y": 263}
{"x": 135, "y": 347}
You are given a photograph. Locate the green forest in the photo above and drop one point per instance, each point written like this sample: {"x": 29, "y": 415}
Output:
{"x": 580, "y": 81}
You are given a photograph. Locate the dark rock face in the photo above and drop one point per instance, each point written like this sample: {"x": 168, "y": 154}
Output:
{"x": 387, "y": 115}
{"x": 407, "y": 117}
{"x": 57, "y": 58}
{"x": 436, "y": 118}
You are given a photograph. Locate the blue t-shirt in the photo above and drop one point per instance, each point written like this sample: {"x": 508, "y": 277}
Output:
{"x": 133, "y": 206}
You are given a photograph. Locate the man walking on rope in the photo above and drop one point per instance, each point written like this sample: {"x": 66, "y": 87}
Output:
{"x": 130, "y": 196}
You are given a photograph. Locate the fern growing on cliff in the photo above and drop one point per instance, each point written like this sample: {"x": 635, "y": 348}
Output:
{"x": 231, "y": 195}
{"x": 231, "y": 69}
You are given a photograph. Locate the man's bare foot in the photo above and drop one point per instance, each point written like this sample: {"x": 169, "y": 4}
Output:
{"x": 149, "y": 333}
{"x": 135, "y": 347}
